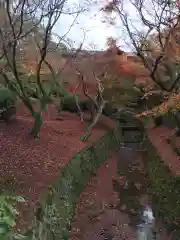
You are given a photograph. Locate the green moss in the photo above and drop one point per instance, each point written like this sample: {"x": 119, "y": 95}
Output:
{"x": 168, "y": 120}
{"x": 164, "y": 189}
{"x": 59, "y": 205}
{"x": 173, "y": 145}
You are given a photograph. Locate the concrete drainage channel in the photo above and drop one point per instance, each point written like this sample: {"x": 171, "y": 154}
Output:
{"x": 134, "y": 194}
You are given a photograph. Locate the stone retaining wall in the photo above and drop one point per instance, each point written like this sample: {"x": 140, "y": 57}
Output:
{"x": 59, "y": 204}
{"x": 164, "y": 188}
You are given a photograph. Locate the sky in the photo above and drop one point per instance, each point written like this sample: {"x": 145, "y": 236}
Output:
{"x": 97, "y": 31}
{"x": 91, "y": 22}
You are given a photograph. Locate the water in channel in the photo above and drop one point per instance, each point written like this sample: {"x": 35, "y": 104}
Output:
{"x": 133, "y": 188}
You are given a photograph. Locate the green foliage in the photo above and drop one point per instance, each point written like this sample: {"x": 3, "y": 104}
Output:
{"x": 8, "y": 215}
{"x": 122, "y": 91}
{"x": 139, "y": 87}
{"x": 8, "y": 183}
{"x": 165, "y": 189}
{"x": 68, "y": 103}
{"x": 2, "y": 81}
{"x": 172, "y": 140}
{"x": 31, "y": 87}
{"x": 5, "y": 94}
{"x": 7, "y": 103}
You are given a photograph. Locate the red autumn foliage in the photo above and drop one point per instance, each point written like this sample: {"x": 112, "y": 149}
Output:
{"x": 71, "y": 89}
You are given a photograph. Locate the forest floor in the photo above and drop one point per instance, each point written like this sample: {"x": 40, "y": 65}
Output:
{"x": 29, "y": 166}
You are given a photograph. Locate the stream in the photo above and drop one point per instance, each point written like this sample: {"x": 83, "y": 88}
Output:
{"x": 146, "y": 227}
{"x": 135, "y": 200}
{"x": 117, "y": 203}
{"x": 133, "y": 187}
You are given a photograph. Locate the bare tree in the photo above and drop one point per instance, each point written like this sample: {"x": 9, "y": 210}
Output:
{"x": 97, "y": 102}
{"x": 154, "y": 37}
{"x": 27, "y": 20}
{"x": 160, "y": 22}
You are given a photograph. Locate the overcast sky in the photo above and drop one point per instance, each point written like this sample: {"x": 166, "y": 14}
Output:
{"x": 92, "y": 22}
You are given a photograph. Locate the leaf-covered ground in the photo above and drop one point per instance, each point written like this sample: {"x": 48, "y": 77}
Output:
{"x": 158, "y": 137}
{"x": 28, "y": 166}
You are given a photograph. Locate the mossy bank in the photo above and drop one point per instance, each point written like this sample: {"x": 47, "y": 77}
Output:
{"x": 53, "y": 219}
{"x": 164, "y": 189}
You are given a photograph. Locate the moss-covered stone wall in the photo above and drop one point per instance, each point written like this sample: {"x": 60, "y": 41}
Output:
{"x": 169, "y": 121}
{"x": 165, "y": 190}
{"x": 58, "y": 206}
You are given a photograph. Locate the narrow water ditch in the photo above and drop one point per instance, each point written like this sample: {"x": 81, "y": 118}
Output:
{"x": 133, "y": 186}
{"x": 117, "y": 204}
{"x": 133, "y": 192}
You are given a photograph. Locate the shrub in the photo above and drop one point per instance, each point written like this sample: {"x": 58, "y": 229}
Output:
{"x": 158, "y": 121}
{"x": 7, "y": 104}
{"x": 8, "y": 215}
{"x": 68, "y": 103}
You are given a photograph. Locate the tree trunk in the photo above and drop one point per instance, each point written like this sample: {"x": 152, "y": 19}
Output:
{"x": 93, "y": 124}
{"x": 79, "y": 109}
{"x": 37, "y": 125}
